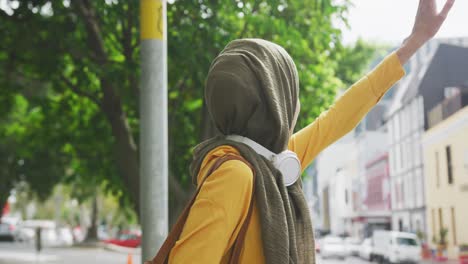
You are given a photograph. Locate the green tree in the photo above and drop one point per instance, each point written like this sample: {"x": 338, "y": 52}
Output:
{"x": 75, "y": 63}
{"x": 353, "y": 60}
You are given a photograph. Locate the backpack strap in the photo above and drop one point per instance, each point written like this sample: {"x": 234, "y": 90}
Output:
{"x": 162, "y": 257}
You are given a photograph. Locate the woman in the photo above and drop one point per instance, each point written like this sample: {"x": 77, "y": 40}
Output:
{"x": 252, "y": 95}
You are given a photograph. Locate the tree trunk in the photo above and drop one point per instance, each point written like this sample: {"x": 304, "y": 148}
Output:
{"x": 125, "y": 150}
{"x": 179, "y": 195}
{"x": 91, "y": 235}
{"x": 4, "y": 194}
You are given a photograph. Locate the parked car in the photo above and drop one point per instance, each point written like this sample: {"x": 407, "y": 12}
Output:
{"x": 8, "y": 226}
{"x": 353, "y": 245}
{"x": 79, "y": 234}
{"x": 65, "y": 236}
{"x": 396, "y": 247}
{"x": 332, "y": 246}
{"x": 102, "y": 233}
{"x": 126, "y": 239}
{"x": 24, "y": 234}
{"x": 51, "y": 235}
{"x": 365, "y": 250}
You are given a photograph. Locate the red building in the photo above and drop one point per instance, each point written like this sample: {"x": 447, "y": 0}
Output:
{"x": 375, "y": 212}
{"x": 378, "y": 185}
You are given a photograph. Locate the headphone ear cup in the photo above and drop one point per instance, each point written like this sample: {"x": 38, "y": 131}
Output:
{"x": 289, "y": 166}
{"x": 286, "y": 162}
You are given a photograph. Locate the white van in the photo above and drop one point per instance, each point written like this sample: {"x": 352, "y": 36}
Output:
{"x": 396, "y": 247}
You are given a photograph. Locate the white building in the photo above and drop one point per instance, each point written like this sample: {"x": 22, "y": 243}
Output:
{"x": 438, "y": 64}
{"x": 341, "y": 172}
{"x": 334, "y": 186}
{"x": 310, "y": 188}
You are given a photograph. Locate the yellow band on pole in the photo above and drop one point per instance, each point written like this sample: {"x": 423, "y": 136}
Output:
{"x": 151, "y": 19}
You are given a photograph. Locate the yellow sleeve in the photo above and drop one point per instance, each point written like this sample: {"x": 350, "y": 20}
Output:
{"x": 216, "y": 216}
{"x": 347, "y": 111}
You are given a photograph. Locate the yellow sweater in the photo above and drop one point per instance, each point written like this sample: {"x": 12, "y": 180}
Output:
{"x": 222, "y": 204}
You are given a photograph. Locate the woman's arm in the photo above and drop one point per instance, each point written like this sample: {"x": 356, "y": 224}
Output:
{"x": 347, "y": 111}
{"x": 359, "y": 99}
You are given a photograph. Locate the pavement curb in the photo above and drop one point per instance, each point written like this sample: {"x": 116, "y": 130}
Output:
{"x": 94, "y": 244}
{"x": 120, "y": 249}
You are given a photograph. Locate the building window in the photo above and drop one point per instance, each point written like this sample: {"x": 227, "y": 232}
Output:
{"x": 391, "y": 161}
{"x": 449, "y": 164}
{"x": 417, "y": 149}
{"x": 433, "y": 223}
{"x": 396, "y": 197}
{"x": 415, "y": 120}
{"x": 441, "y": 220}
{"x": 402, "y": 156}
{"x": 437, "y": 169}
{"x": 416, "y": 188}
{"x": 421, "y": 112}
{"x": 346, "y": 196}
{"x": 454, "y": 226}
{"x": 402, "y": 193}
{"x": 400, "y": 225}
{"x": 466, "y": 162}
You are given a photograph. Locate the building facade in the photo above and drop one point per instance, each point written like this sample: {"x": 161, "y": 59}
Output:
{"x": 439, "y": 64}
{"x": 445, "y": 146}
{"x": 310, "y": 188}
{"x": 406, "y": 167}
{"x": 374, "y": 177}
{"x": 372, "y": 165}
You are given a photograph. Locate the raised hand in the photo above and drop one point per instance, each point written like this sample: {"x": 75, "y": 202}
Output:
{"x": 427, "y": 23}
{"x": 428, "y": 20}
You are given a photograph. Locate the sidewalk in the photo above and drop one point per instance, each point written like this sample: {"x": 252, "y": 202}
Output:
{"x": 21, "y": 254}
{"x": 23, "y": 258}
{"x": 440, "y": 262}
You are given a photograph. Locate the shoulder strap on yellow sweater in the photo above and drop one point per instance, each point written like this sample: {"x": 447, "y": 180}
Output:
{"x": 162, "y": 257}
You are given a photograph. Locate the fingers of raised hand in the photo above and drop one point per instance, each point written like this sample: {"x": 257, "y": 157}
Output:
{"x": 446, "y": 9}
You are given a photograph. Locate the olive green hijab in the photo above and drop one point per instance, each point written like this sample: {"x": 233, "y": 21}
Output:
{"x": 252, "y": 90}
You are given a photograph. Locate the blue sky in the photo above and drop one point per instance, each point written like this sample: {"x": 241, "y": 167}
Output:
{"x": 390, "y": 21}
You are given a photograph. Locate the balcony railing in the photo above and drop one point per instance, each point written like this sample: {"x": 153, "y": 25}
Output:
{"x": 447, "y": 107}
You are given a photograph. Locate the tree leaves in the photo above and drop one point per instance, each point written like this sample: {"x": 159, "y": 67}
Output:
{"x": 69, "y": 85}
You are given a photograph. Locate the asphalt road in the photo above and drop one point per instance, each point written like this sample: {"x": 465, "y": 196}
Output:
{"x": 16, "y": 253}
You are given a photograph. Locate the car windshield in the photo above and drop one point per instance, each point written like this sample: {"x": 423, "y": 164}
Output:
{"x": 406, "y": 241}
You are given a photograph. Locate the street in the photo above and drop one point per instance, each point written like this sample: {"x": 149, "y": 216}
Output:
{"x": 351, "y": 260}
{"x": 15, "y": 253}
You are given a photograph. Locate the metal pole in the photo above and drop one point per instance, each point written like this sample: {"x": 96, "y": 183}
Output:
{"x": 153, "y": 127}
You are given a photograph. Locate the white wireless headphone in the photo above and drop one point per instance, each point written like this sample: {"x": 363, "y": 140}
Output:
{"x": 286, "y": 162}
